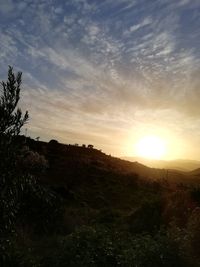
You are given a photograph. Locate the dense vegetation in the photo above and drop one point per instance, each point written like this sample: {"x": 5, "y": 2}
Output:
{"x": 63, "y": 205}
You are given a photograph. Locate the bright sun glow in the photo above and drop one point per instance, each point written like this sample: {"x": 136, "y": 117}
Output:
{"x": 151, "y": 147}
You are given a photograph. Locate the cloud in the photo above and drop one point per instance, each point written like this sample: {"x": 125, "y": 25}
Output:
{"x": 144, "y": 23}
{"x": 8, "y": 49}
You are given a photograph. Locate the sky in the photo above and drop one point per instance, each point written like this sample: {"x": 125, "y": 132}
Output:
{"x": 107, "y": 72}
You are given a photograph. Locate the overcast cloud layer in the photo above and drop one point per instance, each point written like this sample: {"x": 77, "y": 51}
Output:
{"x": 107, "y": 72}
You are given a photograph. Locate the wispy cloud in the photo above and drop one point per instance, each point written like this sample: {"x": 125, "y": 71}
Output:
{"x": 138, "y": 26}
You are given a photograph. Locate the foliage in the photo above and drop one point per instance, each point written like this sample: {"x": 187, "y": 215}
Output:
{"x": 23, "y": 199}
{"x": 32, "y": 162}
{"x": 178, "y": 207}
{"x": 193, "y": 234}
{"x": 98, "y": 246}
{"x": 11, "y": 120}
{"x": 11, "y": 255}
{"x": 146, "y": 218}
{"x": 40, "y": 208}
{"x": 195, "y": 194}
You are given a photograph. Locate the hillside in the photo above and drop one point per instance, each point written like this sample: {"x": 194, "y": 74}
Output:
{"x": 86, "y": 208}
{"x": 69, "y": 164}
{"x": 178, "y": 164}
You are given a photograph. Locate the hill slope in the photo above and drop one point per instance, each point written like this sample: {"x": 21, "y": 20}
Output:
{"x": 70, "y": 165}
{"x": 108, "y": 207}
{"x": 179, "y": 164}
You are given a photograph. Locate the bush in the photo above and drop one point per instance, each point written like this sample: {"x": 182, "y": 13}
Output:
{"x": 178, "y": 207}
{"x": 193, "y": 234}
{"x": 195, "y": 195}
{"x": 97, "y": 247}
{"x": 40, "y": 207}
{"x": 146, "y": 218}
{"x": 31, "y": 162}
{"x": 13, "y": 256}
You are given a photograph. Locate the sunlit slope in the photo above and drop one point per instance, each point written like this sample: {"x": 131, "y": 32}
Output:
{"x": 179, "y": 164}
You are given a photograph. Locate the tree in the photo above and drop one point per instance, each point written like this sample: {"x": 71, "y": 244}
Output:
{"x": 21, "y": 193}
{"x": 24, "y": 201}
{"x": 11, "y": 119}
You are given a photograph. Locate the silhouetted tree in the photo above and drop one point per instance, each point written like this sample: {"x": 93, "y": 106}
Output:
{"x": 20, "y": 192}
{"x": 11, "y": 119}
{"x": 23, "y": 200}
{"x": 53, "y": 142}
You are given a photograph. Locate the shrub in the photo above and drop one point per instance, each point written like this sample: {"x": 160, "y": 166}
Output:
{"x": 31, "y": 162}
{"x": 178, "y": 207}
{"x": 193, "y": 234}
{"x": 195, "y": 195}
{"x": 97, "y": 247}
{"x": 146, "y": 218}
{"x": 40, "y": 207}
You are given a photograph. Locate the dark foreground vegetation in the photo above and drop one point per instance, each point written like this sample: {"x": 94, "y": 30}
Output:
{"x": 63, "y": 205}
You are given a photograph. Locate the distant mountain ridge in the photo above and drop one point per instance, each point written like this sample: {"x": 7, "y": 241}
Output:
{"x": 178, "y": 164}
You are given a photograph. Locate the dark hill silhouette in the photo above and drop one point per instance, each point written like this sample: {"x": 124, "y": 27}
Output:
{"x": 71, "y": 164}
{"x": 112, "y": 195}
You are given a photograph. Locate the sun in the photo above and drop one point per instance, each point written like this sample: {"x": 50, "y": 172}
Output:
{"x": 152, "y": 147}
